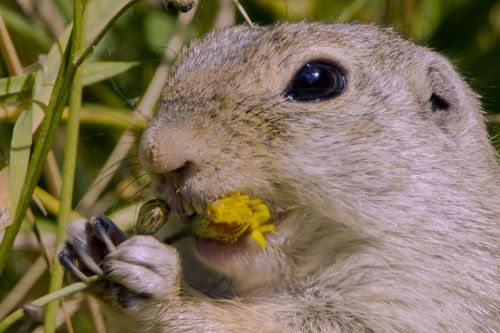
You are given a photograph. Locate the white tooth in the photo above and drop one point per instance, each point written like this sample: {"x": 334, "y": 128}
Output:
{"x": 188, "y": 207}
{"x": 198, "y": 208}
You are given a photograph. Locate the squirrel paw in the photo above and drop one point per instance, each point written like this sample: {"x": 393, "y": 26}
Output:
{"x": 135, "y": 271}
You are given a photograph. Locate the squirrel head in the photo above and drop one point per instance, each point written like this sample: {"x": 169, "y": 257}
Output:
{"x": 347, "y": 122}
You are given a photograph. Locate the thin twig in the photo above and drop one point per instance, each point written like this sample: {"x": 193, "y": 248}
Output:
{"x": 244, "y": 13}
{"x": 46, "y": 13}
{"x": 44, "y": 250}
{"x": 52, "y": 174}
{"x": 9, "y": 51}
{"x": 66, "y": 314}
{"x": 44, "y": 300}
{"x": 52, "y": 204}
{"x": 96, "y": 314}
{"x": 90, "y": 115}
{"x": 24, "y": 285}
{"x": 70, "y": 308}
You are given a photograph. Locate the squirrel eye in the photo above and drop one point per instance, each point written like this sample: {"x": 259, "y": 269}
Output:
{"x": 316, "y": 81}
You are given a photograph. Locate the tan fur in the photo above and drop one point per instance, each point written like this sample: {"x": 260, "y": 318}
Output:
{"x": 387, "y": 211}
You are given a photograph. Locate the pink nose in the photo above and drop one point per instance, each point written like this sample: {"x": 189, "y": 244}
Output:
{"x": 166, "y": 150}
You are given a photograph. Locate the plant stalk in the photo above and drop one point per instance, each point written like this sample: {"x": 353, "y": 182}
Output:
{"x": 69, "y": 167}
{"x": 64, "y": 292}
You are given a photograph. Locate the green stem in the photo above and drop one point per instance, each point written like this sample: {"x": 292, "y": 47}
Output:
{"x": 88, "y": 51}
{"x": 69, "y": 167}
{"x": 64, "y": 292}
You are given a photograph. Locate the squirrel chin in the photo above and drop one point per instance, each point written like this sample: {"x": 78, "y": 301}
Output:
{"x": 213, "y": 251}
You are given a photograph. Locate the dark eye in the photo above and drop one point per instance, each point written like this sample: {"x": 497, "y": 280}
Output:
{"x": 316, "y": 81}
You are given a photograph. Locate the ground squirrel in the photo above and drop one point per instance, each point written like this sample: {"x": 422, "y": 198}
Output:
{"x": 373, "y": 157}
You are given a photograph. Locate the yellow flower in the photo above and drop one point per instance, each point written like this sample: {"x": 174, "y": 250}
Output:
{"x": 231, "y": 217}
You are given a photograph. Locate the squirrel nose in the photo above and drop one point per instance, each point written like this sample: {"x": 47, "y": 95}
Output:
{"x": 164, "y": 151}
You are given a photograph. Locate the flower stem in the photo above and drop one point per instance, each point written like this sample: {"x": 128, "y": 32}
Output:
{"x": 70, "y": 154}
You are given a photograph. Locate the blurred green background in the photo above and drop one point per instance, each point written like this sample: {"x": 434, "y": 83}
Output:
{"x": 467, "y": 31}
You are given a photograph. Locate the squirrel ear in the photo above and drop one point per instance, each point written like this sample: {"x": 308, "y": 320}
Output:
{"x": 449, "y": 102}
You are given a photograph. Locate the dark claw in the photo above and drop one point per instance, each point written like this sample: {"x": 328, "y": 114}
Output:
{"x": 89, "y": 242}
{"x": 107, "y": 232}
{"x": 67, "y": 260}
{"x": 86, "y": 259}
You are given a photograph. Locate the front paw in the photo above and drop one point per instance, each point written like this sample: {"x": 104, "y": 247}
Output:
{"x": 146, "y": 267}
{"x": 135, "y": 271}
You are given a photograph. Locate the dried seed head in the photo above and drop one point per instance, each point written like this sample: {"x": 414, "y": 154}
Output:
{"x": 152, "y": 216}
{"x": 180, "y": 5}
{"x": 33, "y": 312}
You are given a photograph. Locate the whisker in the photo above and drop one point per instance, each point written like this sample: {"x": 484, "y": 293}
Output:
{"x": 116, "y": 167}
{"x": 136, "y": 193}
{"x": 113, "y": 171}
{"x": 103, "y": 177}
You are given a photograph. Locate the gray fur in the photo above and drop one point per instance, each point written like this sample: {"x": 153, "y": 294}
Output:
{"x": 387, "y": 208}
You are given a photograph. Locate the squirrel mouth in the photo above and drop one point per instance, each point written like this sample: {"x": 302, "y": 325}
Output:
{"x": 222, "y": 223}
{"x": 224, "y": 220}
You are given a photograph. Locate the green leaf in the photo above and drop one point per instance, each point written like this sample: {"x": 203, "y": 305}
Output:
{"x": 4, "y": 196}
{"x": 19, "y": 157}
{"x": 98, "y": 71}
{"x": 46, "y": 77}
{"x": 99, "y": 15}
{"x": 18, "y": 86}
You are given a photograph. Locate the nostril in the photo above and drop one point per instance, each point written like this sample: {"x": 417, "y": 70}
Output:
{"x": 187, "y": 169}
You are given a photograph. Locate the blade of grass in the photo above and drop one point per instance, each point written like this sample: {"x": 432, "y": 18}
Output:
{"x": 69, "y": 166}
{"x": 52, "y": 205}
{"x": 46, "y": 78}
{"x": 19, "y": 158}
{"x": 117, "y": 118}
{"x": 243, "y": 12}
{"x": 98, "y": 71}
{"x": 99, "y": 16}
{"x": 16, "y": 85}
{"x": 9, "y": 51}
{"x": 93, "y": 114}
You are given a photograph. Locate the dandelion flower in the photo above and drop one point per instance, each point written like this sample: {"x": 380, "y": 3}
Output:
{"x": 232, "y": 217}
